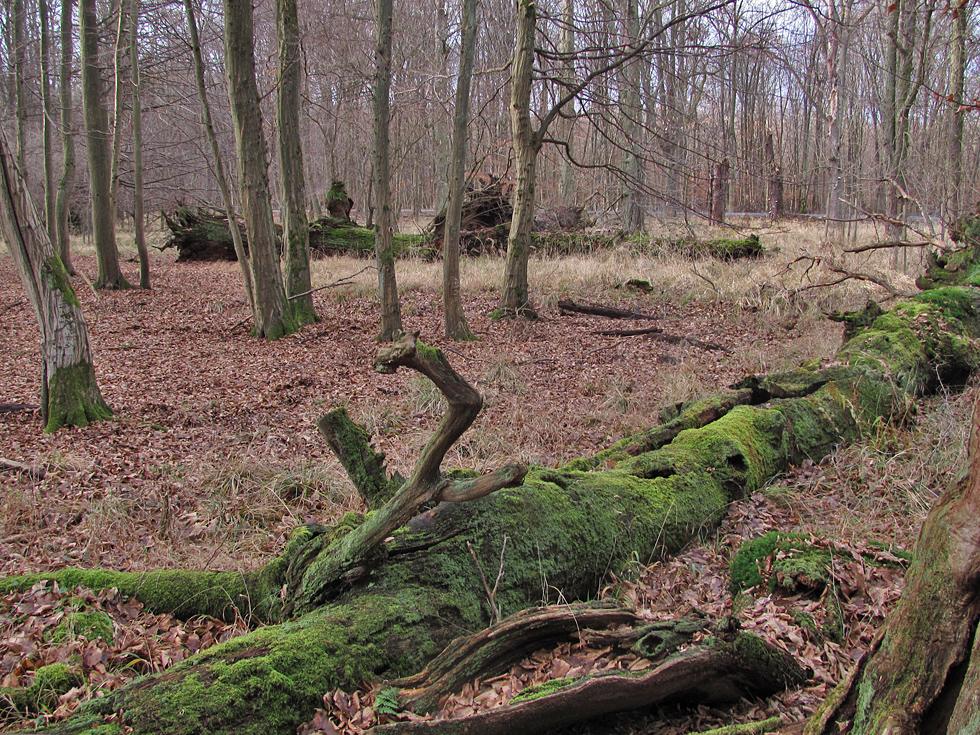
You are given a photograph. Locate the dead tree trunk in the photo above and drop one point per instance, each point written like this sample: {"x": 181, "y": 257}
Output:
{"x": 381, "y": 601}
{"x": 719, "y": 191}
{"x": 923, "y": 673}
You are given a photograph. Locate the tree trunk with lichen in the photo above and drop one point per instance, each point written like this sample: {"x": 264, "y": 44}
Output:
{"x": 372, "y": 600}
{"x": 69, "y": 394}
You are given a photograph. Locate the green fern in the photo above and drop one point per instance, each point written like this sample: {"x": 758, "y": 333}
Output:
{"x": 386, "y": 702}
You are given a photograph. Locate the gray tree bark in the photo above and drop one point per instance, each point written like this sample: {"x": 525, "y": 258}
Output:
{"x": 456, "y": 326}
{"x": 138, "y": 234}
{"x": 70, "y": 395}
{"x": 273, "y": 318}
{"x": 47, "y": 121}
{"x": 98, "y": 153}
{"x": 391, "y": 318}
{"x": 67, "y": 181}
{"x": 295, "y": 227}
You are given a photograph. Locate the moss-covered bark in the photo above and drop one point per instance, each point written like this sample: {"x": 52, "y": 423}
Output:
{"x": 565, "y": 529}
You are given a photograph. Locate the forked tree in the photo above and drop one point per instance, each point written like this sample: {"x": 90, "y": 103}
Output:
{"x": 70, "y": 395}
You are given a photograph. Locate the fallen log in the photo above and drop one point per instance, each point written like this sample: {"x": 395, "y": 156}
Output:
{"x": 644, "y": 497}
{"x": 657, "y": 334}
{"x": 610, "y": 312}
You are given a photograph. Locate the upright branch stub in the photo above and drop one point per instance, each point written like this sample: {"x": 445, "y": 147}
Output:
{"x": 350, "y": 559}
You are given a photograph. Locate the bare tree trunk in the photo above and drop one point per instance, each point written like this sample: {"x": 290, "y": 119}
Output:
{"x": 719, "y": 191}
{"x": 957, "y": 73}
{"x": 67, "y": 181}
{"x": 46, "y": 122}
{"x": 273, "y": 318}
{"x": 567, "y": 49}
{"x": 139, "y": 236}
{"x": 456, "y": 326}
{"x": 774, "y": 181}
{"x": 295, "y": 227}
{"x": 20, "y": 82}
{"x": 391, "y": 318}
{"x": 516, "y": 297}
{"x": 118, "y": 97}
{"x": 69, "y": 393}
{"x": 219, "y": 169}
{"x": 631, "y": 208}
{"x": 98, "y": 153}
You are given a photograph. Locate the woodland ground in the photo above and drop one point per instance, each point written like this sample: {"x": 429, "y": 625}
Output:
{"x": 212, "y": 457}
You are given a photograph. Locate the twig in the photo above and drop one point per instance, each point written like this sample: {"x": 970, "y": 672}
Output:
{"x": 694, "y": 269}
{"x": 486, "y": 587}
{"x": 8, "y": 307}
{"x": 629, "y": 332}
{"x": 500, "y": 573}
{"x": 345, "y": 281}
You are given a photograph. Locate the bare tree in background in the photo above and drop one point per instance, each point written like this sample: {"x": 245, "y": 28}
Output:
{"x": 391, "y": 318}
{"x": 139, "y": 237}
{"x": 98, "y": 153}
{"x": 67, "y": 181}
{"x": 456, "y": 326}
{"x": 295, "y": 228}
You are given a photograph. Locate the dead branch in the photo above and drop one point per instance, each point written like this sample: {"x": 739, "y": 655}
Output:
{"x": 345, "y": 281}
{"x": 9, "y": 465}
{"x": 336, "y": 567}
{"x": 17, "y": 407}
{"x": 606, "y": 311}
{"x": 888, "y": 245}
{"x": 657, "y": 333}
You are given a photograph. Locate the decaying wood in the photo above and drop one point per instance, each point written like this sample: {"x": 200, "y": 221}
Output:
{"x": 607, "y": 311}
{"x": 484, "y": 207}
{"x": 657, "y": 333}
{"x": 727, "y": 668}
{"x": 16, "y": 407}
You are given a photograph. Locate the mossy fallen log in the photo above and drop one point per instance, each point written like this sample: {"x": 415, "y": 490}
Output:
{"x": 200, "y": 234}
{"x": 564, "y": 529}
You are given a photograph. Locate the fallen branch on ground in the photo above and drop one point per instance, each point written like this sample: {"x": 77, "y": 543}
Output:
{"x": 606, "y": 311}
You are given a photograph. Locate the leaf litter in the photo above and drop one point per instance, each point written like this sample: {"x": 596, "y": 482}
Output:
{"x": 212, "y": 458}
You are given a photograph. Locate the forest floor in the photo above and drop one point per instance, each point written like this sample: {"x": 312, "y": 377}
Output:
{"x": 212, "y": 456}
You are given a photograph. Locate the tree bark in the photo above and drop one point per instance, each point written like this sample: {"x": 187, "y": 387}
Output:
{"x": 631, "y": 215}
{"x": 955, "y": 112}
{"x": 218, "y": 165}
{"x": 516, "y": 297}
{"x": 456, "y": 326}
{"x": 384, "y": 230}
{"x": 67, "y": 181}
{"x": 295, "y": 228}
{"x": 70, "y": 395}
{"x": 719, "y": 191}
{"x": 46, "y": 122}
{"x": 20, "y": 81}
{"x": 98, "y": 153}
{"x": 138, "y": 235}
{"x": 273, "y": 318}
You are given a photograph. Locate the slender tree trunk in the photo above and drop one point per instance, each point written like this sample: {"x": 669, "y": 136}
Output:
{"x": 391, "y": 318}
{"x": 46, "y": 123}
{"x": 567, "y": 48}
{"x": 516, "y": 297}
{"x": 774, "y": 181}
{"x": 631, "y": 208}
{"x": 719, "y": 191}
{"x": 138, "y": 235}
{"x": 295, "y": 227}
{"x": 98, "y": 153}
{"x": 456, "y": 326}
{"x": 118, "y": 98}
{"x": 836, "y": 68}
{"x": 957, "y": 74}
{"x": 20, "y": 81}
{"x": 273, "y": 316}
{"x": 70, "y": 395}
{"x": 219, "y": 169}
{"x": 67, "y": 182}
